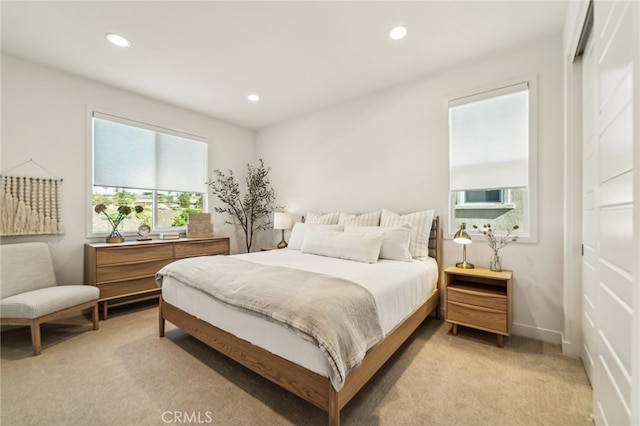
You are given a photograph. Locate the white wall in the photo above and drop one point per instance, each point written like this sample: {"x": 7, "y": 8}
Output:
{"x": 390, "y": 150}
{"x": 44, "y": 118}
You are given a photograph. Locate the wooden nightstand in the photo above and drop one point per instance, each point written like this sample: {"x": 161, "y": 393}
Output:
{"x": 479, "y": 298}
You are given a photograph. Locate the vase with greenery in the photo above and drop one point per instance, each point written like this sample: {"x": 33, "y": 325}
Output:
{"x": 496, "y": 242}
{"x": 253, "y": 210}
{"x": 115, "y": 219}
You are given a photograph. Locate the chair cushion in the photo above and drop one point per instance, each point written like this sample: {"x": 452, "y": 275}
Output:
{"x": 25, "y": 267}
{"x": 44, "y": 301}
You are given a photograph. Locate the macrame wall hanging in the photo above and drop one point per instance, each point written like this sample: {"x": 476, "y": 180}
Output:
{"x": 30, "y": 205}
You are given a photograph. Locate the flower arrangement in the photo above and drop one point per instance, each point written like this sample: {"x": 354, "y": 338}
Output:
{"x": 496, "y": 243}
{"x": 122, "y": 213}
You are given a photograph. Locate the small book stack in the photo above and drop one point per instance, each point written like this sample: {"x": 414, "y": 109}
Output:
{"x": 169, "y": 235}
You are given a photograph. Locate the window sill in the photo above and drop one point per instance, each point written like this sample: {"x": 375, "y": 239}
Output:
{"x": 485, "y": 206}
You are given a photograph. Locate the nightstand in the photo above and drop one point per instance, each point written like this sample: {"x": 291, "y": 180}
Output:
{"x": 478, "y": 298}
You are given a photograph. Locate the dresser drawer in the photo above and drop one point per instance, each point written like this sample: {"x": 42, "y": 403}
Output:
{"x": 201, "y": 248}
{"x": 485, "y": 296}
{"x": 132, "y": 254}
{"x": 131, "y": 270}
{"x": 478, "y": 317}
{"x": 132, "y": 287}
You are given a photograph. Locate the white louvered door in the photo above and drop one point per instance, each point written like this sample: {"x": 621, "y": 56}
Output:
{"x": 610, "y": 265}
{"x": 589, "y": 221}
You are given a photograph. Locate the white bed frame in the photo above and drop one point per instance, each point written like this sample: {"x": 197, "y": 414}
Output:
{"x": 308, "y": 385}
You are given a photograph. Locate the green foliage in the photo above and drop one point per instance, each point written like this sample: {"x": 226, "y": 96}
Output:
{"x": 184, "y": 200}
{"x": 122, "y": 198}
{"x": 183, "y": 218}
{"x": 144, "y": 217}
{"x": 254, "y": 210}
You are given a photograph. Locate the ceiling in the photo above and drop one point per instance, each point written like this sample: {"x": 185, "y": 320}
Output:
{"x": 300, "y": 56}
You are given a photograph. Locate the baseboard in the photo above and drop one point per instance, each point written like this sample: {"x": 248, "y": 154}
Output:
{"x": 570, "y": 348}
{"x": 537, "y": 333}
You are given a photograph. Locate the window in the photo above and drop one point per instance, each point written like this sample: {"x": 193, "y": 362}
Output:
{"x": 490, "y": 146}
{"x": 492, "y": 196}
{"x": 137, "y": 164}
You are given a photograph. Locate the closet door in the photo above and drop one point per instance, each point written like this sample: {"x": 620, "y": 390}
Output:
{"x": 613, "y": 246}
{"x": 589, "y": 220}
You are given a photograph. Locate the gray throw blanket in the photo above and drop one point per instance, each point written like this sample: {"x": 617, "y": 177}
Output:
{"x": 338, "y": 315}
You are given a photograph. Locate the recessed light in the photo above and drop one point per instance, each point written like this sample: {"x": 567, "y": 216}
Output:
{"x": 253, "y": 97}
{"x": 118, "y": 40}
{"x": 398, "y": 32}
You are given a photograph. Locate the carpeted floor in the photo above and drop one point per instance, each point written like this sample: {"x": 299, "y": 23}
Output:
{"x": 124, "y": 374}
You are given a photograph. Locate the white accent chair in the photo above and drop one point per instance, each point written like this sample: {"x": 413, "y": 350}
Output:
{"x": 30, "y": 294}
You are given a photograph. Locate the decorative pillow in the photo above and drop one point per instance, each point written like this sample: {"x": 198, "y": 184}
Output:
{"x": 322, "y": 219}
{"x": 350, "y": 246}
{"x": 421, "y": 229}
{"x": 395, "y": 243}
{"x": 367, "y": 219}
{"x": 300, "y": 230}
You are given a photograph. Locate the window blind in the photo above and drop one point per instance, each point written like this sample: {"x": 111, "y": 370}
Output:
{"x": 489, "y": 140}
{"x": 127, "y": 155}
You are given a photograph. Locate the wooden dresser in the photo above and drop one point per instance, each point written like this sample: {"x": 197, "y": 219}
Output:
{"x": 125, "y": 272}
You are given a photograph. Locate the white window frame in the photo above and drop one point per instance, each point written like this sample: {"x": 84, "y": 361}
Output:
{"x": 531, "y": 233}
{"x": 91, "y": 111}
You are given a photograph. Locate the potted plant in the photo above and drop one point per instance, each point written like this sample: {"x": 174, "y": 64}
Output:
{"x": 115, "y": 220}
{"x": 253, "y": 210}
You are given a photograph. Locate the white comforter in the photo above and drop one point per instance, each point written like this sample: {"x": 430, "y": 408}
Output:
{"x": 398, "y": 288}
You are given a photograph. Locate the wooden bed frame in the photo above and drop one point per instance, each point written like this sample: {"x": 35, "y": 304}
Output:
{"x": 304, "y": 383}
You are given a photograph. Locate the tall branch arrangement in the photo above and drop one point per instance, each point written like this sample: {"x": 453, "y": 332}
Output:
{"x": 254, "y": 210}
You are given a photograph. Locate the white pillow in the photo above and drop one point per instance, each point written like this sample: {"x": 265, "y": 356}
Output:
{"x": 322, "y": 219}
{"x": 350, "y": 246}
{"x": 421, "y": 223}
{"x": 300, "y": 230}
{"x": 367, "y": 219}
{"x": 395, "y": 243}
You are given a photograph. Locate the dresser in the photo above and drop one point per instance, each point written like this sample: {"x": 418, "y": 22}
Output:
{"x": 125, "y": 272}
{"x": 479, "y": 298}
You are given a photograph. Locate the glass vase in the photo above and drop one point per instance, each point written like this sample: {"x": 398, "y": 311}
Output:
{"x": 114, "y": 237}
{"x": 495, "y": 263}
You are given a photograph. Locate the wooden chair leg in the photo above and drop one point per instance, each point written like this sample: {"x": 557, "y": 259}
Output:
{"x": 95, "y": 315}
{"x": 35, "y": 336}
{"x": 160, "y": 320}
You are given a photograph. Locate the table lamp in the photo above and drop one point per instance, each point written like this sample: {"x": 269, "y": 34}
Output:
{"x": 282, "y": 221}
{"x": 462, "y": 237}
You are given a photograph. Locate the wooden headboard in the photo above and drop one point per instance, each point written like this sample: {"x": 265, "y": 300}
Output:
{"x": 435, "y": 245}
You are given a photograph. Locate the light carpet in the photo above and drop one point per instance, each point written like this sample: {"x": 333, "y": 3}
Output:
{"x": 124, "y": 374}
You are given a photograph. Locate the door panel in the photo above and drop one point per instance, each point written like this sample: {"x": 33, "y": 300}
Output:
{"x": 615, "y": 247}
{"x": 589, "y": 221}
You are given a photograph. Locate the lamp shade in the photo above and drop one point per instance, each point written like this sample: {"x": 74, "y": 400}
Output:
{"x": 282, "y": 221}
{"x": 462, "y": 236}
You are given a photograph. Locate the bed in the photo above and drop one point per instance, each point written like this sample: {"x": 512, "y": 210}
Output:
{"x": 288, "y": 360}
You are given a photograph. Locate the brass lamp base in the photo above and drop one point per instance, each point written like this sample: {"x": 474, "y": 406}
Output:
{"x": 465, "y": 265}
{"x": 282, "y": 244}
